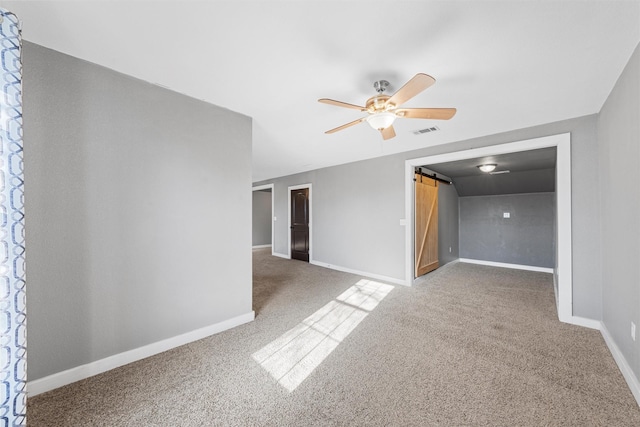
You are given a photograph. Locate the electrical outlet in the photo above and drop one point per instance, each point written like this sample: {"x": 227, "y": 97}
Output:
{"x": 633, "y": 331}
{"x": 506, "y": 214}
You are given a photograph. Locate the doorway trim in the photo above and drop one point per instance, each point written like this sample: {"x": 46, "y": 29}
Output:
{"x": 563, "y": 284}
{"x": 298, "y": 187}
{"x": 273, "y": 234}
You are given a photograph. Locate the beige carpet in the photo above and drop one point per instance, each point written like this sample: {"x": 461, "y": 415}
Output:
{"x": 468, "y": 346}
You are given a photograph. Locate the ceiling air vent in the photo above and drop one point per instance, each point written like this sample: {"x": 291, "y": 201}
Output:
{"x": 426, "y": 130}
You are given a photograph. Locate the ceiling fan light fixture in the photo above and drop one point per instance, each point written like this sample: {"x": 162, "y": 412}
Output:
{"x": 489, "y": 167}
{"x": 380, "y": 121}
{"x": 383, "y": 109}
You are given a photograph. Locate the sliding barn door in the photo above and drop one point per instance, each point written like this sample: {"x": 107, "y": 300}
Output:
{"x": 426, "y": 225}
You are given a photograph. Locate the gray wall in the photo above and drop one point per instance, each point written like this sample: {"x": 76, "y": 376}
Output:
{"x": 357, "y": 208}
{"x": 137, "y": 201}
{"x": 448, "y": 224}
{"x": 515, "y": 182}
{"x": 527, "y": 237}
{"x": 356, "y": 212}
{"x": 261, "y": 217}
{"x": 619, "y": 150}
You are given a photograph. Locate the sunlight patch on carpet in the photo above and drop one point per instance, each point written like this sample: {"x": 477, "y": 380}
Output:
{"x": 294, "y": 355}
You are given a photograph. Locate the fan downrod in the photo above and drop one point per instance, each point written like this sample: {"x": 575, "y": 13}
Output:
{"x": 380, "y": 85}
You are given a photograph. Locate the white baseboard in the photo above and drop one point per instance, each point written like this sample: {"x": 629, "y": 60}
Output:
{"x": 555, "y": 290}
{"x": 280, "y": 255}
{"x": 507, "y": 265}
{"x": 260, "y": 246}
{"x": 584, "y": 322}
{"x": 78, "y": 373}
{"x": 624, "y": 367}
{"x": 359, "y": 273}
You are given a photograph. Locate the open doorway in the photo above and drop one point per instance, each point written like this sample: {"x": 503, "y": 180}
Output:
{"x": 262, "y": 223}
{"x": 563, "y": 267}
{"x": 504, "y": 215}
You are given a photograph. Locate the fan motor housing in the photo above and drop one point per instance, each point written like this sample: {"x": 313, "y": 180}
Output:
{"x": 378, "y": 104}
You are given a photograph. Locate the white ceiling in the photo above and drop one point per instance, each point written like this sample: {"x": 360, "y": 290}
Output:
{"x": 503, "y": 64}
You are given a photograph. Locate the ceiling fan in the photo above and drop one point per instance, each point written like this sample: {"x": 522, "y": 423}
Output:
{"x": 384, "y": 109}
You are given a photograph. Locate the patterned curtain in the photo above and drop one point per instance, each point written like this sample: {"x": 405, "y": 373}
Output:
{"x": 13, "y": 341}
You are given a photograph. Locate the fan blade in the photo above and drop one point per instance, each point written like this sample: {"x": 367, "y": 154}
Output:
{"x": 388, "y": 132}
{"x": 426, "y": 113}
{"x": 341, "y": 104}
{"x": 417, "y": 84}
{"x": 355, "y": 122}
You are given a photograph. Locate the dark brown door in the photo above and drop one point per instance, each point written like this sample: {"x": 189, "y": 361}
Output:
{"x": 300, "y": 224}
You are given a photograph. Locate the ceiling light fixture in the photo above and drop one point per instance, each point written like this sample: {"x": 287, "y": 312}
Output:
{"x": 380, "y": 121}
{"x": 488, "y": 167}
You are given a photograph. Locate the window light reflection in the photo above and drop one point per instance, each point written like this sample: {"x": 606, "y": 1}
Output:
{"x": 294, "y": 355}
